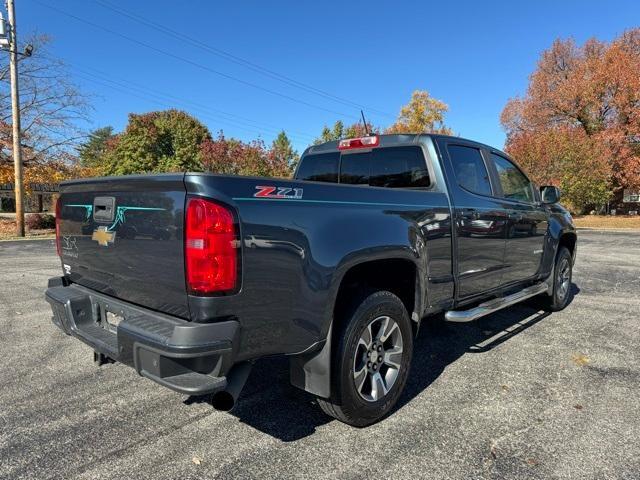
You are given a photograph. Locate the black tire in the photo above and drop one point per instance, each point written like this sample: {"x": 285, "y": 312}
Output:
{"x": 347, "y": 402}
{"x": 562, "y": 275}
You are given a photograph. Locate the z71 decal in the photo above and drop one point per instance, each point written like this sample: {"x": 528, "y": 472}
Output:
{"x": 278, "y": 192}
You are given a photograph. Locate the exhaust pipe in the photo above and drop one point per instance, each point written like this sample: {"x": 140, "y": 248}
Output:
{"x": 225, "y": 400}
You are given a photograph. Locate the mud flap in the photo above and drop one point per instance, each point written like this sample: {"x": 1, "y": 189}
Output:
{"x": 312, "y": 371}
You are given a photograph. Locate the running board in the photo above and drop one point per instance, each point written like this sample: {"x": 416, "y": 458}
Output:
{"x": 494, "y": 305}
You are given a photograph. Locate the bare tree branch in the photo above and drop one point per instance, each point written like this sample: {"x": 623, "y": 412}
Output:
{"x": 51, "y": 106}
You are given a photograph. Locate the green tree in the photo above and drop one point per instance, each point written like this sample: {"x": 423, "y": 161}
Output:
{"x": 92, "y": 151}
{"x": 163, "y": 141}
{"x": 423, "y": 114}
{"x": 283, "y": 151}
{"x": 339, "y": 131}
{"x": 331, "y": 134}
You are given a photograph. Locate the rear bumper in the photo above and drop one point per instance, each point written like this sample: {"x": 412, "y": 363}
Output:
{"x": 190, "y": 358}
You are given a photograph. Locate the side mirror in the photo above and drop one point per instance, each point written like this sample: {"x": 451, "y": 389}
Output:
{"x": 550, "y": 194}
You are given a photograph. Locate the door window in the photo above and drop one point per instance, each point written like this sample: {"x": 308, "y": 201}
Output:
{"x": 515, "y": 185}
{"x": 470, "y": 169}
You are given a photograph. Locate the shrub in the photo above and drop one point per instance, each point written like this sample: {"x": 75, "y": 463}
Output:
{"x": 40, "y": 222}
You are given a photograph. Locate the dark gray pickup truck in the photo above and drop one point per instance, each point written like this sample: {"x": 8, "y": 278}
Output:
{"x": 190, "y": 278}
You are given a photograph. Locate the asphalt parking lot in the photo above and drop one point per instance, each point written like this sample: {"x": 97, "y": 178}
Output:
{"x": 519, "y": 394}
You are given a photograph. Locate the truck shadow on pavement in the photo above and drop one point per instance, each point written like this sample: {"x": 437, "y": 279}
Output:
{"x": 270, "y": 404}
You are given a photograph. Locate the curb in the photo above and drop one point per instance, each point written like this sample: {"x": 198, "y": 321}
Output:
{"x": 27, "y": 239}
{"x": 619, "y": 230}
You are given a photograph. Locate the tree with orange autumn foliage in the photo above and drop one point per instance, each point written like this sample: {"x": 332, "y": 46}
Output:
{"x": 578, "y": 125}
{"x": 52, "y": 172}
{"x": 423, "y": 114}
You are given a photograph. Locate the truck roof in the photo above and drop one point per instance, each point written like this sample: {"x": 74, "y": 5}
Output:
{"x": 393, "y": 139}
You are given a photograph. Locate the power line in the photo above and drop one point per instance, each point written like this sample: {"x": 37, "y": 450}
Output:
{"x": 142, "y": 97}
{"x": 127, "y": 84}
{"x": 190, "y": 62}
{"x": 158, "y": 100}
{"x": 237, "y": 119}
{"x": 238, "y": 60}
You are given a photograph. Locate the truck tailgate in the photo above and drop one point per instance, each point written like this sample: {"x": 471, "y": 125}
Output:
{"x": 123, "y": 236}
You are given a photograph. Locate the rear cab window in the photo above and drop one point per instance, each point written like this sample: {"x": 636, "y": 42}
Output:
{"x": 320, "y": 167}
{"x": 390, "y": 167}
{"x": 355, "y": 168}
{"x": 399, "y": 167}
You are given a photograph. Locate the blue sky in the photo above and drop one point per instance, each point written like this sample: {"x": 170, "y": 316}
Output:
{"x": 473, "y": 55}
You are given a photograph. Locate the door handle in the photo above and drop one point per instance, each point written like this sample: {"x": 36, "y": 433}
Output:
{"x": 515, "y": 216}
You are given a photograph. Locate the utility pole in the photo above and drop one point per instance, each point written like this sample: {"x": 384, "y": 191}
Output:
{"x": 15, "y": 107}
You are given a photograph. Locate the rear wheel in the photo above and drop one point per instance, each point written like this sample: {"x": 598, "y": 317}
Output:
{"x": 562, "y": 275}
{"x": 371, "y": 359}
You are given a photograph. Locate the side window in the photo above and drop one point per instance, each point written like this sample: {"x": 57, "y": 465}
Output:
{"x": 321, "y": 167}
{"x": 354, "y": 168}
{"x": 398, "y": 167}
{"x": 470, "y": 169}
{"x": 514, "y": 184}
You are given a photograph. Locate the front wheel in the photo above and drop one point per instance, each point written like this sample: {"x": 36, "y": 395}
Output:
{"x": 562, "y": 275}
{"x": 371, "y": 360}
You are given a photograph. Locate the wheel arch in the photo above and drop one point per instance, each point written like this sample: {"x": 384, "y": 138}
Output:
{"x": 568, "y": 239}
{"x": 561, "y": 233}
{"x": 399, "y": 274}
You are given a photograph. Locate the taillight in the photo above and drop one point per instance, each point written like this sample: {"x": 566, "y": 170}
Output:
{"x": 364, "y": 142}
{"x": 211, "y": 249}
{"x": 58, "y": 219}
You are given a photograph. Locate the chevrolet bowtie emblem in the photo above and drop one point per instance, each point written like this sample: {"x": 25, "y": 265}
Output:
{"x": 103, "y": 236}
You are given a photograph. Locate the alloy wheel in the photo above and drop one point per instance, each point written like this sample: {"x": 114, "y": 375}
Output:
{"x": 378, "y": 358}
{"x": 564, "y": 279}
